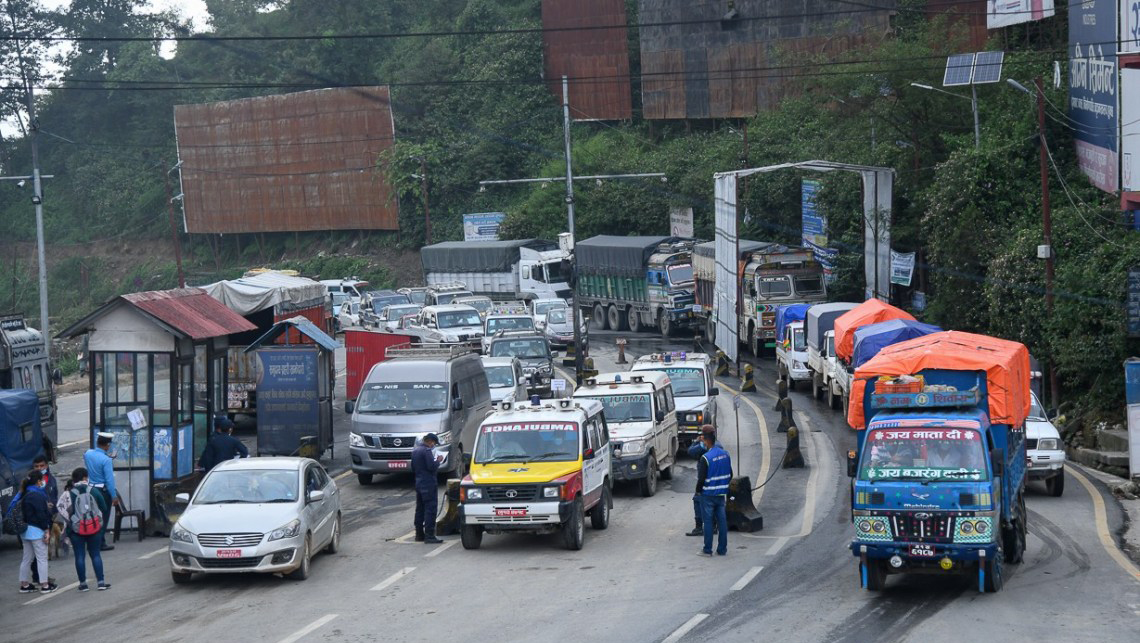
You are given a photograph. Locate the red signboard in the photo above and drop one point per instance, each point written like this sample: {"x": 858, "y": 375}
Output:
{"x": 363, "y": 350}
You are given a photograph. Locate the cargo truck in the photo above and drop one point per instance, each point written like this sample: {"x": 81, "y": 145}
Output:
{"x": 938, "y": 475}
{"x": 704, "y": 274}
{"x": 819, "y": 321}
{"x": 775, "y": 276}
{"x": 838, "y": 366}
{"x": 25, "y": 364}
{"x": 502, "y": 270}
{"x": 869, "y": 340}
{"x": 634, "y": 283}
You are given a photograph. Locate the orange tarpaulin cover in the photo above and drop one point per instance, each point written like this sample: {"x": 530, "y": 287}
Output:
{"x": 871, "y": 311}
{"x": 1006, "y": 365}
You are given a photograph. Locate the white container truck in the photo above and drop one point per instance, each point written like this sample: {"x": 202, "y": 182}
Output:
{"x": 821, "y": 343}
{"x": 502, "y": 270}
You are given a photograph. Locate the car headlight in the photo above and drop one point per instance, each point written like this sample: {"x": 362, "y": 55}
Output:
{"x": 181, "y": 535}
{"x": 289, "y": 530}
{"x": 797, "y": 365}
{"x": 474, "y": 494}
{"x": 693, "y": 417}
{"x": 967, "y": 527}
{"x": 450, "y": 338}
{"x": 1047, "y": 444}
{"x": 444, "y": 437}
{"x": 550, "y": 492}
{"x": 355, "y": 440}
{"x": 633, "y": 447}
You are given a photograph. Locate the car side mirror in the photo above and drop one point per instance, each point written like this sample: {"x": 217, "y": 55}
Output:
{"x": 588, "y": 454}
{"x": 660, "y": 415}
{"x": 184, "y": 498}
{"x": 852, "y": 464}
{"x": 457, "y": 404}
{"x": 714, "y": 391}
{"x": 316, "y": 495}
{"x": 1051, "y": 414}
{"x": 522, "y": 380}
{"x": 997, "y": 461}
{"x": 349, "y": 406}
{"x": 57, "y": 376}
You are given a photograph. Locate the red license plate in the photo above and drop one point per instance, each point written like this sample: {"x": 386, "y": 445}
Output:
{"x": 229, "y": 553}
{"x": 510, "y": 512}
{"x": 399, "y": 464}
{"x": 922, "y": 551}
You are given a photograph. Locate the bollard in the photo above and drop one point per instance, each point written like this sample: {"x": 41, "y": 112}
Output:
{"x": 793, "y": 457}
{"x": 698, "y": 345}
{"x": 588, "y": 369}
{"x": 448, "y": 524}
{"x": 786, "y": 419}
{"x": 569, "y": 357}
{"x": 781, "y": 393}
{"x": 747, "y": 383}
{"x": 620, "y": 341}
{"x": 739, "y": 507}
{"x": 721, "y": 363}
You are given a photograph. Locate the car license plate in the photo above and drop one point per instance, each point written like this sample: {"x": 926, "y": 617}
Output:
{"x": 510, "y": 512}
{"x": 229, "y": 553}
{"x": 399, "y": 464}
{"x": 922, "y": 551}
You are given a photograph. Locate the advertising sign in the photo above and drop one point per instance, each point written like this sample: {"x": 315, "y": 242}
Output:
{"x": 1132, "y": 303}
{"x": 681, "y": 222}
{"x": 483, "y": 226}
{"x": 1092, "y": 89}
{"x": 902, "y": 267}
{"x": 1129, "y": 26}
{"x": 1132, "y": 395}
{"x": 287, "y": 407}
{"x": 1130, "y": 127}
{"x": 826, "y": 258}
{"x": 1003, "y": 13}
{"x": 814, "y": 223}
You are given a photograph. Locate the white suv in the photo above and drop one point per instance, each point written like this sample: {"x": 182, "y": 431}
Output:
{"x": 694, "y": 389}
{"x": 1044, "y": 449}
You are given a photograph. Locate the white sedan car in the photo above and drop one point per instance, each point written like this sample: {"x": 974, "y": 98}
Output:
{"x": 267, "y": 515}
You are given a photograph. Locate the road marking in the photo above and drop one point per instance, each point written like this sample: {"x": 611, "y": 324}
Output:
{"x": 745, "y": 579}
{"x": 680, "y": 632}
{"x": 765, "y": 444}
{"x": 338, "y": 478}
{"x": 44, "y": 597}
{"x": 1102, "y": 525}
{"x": 154, "y": 553}
{"x": 311, "y": 627}
{"x": 71, "y": 444}
{"x": 82, "y": 411}
{"x": 813, "y": 480}
{"x": 393, "y": 578}
{"x": 777, "y": 546}
{"x": 439, "y": 549}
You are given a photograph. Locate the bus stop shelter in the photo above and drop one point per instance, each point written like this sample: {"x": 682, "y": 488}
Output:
{"x": 143, "y": 388}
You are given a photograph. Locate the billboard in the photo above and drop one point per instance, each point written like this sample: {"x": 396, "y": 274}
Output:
{"x": 1092, "y": 89}
{"x": 1003, "y": 13}
{"x": 681, "y": 222}
{"x": 814, "y": 222}
{"x": 577, "y": 44}
{"x": 287, "y": 404}
{"x": 1130, "y": 26}
{"x": 1130, "y": 129}
{"x": 288, "y": 162}
{"x": 483, "y": 226}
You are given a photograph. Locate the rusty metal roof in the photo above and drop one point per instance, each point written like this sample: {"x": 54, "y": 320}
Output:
{"x": 190, "y": 312}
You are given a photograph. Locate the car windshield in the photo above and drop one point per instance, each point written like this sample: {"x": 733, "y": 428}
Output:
{"x": 247, "y": 486}
{"x": 527, "y": 441}
{"x": 481, "y": 305}
{"x": 509, "y": 323}
{"x": 543, "y": 307}
{"x": 339, "y": 298}
{"x": 681, "y": 273}
{"x": 448, "y": 297}
{"x": 625, "y": 408}
{"x": 460, "y": 318}
{"x": 775, "y": 286}
{"x": 687, "y": 382}
{"x": 396, "y": 312}
{"x": 1036, "y": 412}
{"x": 529, "y": 348}
{"x": 809, "y": 285}
{"x": 799, "y": 342}
{"x": 418, "y": 297}
{"x": 923, "y": 454}
{"x": 402, "y": 397}
{"x": 556, "y": 316}
{"x": 378, "y": 303}
{"x": 500, "y": 376}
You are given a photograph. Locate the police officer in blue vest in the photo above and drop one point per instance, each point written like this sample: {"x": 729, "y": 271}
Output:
{"x": 714, "y": 471}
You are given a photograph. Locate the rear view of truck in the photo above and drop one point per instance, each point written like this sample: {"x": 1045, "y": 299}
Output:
{"x": 939, "y": 472}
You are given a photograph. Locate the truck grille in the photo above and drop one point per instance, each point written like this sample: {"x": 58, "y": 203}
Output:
{"x": 390, "y": 443}
{"x": 522, "y": 493}
{"x": 390, "y": 455}
{"x": 927, "y": 527}
{"x": 236, "y": 540}
{"x": 229, "y": 563}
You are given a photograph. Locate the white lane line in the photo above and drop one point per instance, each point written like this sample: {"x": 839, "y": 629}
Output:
{"x": 393, "y": 578}
{"x": 745, "y": 579}
{"x": 777, "y": 546}
{"x": 311, "y": 627}
{"x": 765, "y": 444}
{"x": 155, "y": 553}
{"x": 44, "y": 597}
{"x": 338, "y": 478}
{"x": 439, "y": 549}
{"x": 813, "y": 479}
{"x": 1102, "y": 531}
{"x": 680, "y": 632}
{"x": 406, "y": 538}
{"x": 71, "y": 444}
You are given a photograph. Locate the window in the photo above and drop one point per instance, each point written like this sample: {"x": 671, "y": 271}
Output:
{"x": 603, "y": 434}
{"x": 322, "y": 476}
{"x": 775, "y": 286}
{"x": 660, "y": 402}
{"x": 669, "y": 400}
{"x": 749, "y": 287}
{"x": 482, "y": 388}
{"x": 467, "y": 391}
{"x": 312, "y": 480}
{"x": 809, "y": 285}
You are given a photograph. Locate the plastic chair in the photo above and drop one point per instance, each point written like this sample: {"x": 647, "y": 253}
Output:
{"x": 123, "y": 512}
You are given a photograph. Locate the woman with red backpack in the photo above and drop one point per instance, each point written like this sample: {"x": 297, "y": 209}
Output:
{"x": 85, "y": 527}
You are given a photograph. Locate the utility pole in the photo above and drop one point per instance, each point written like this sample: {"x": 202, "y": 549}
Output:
{"x": 1047, "y": 230}
{"x": 174, "y": 230}
{"x": 575, "y": 311}
{"x": 424, "y": 193}
{"x": 38, "y": 201}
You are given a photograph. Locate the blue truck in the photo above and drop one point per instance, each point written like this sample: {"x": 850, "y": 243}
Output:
{"x": 939, "y": 473}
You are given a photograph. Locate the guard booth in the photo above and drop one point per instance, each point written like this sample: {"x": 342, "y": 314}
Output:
{"x": 295, "y": 389}
{"x": 141, "y": 349}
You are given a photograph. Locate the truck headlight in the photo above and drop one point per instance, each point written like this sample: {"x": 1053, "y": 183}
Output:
{"x": 444, "y": 437}
{"x": 289, "y": 530}
{"x": 797, "y": 365}
{"x": 693, "y": 417}
{"x": 551, "y": 492}
{"x": 633, "y": 447}
{"x": 474, "y": 494}
{"x": 355, "y": 440}
{"x": 1047, "y": 444}
{"x": 181, "y": 535}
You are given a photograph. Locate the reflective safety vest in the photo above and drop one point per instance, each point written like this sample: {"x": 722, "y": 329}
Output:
{"x": 719, "y": 472}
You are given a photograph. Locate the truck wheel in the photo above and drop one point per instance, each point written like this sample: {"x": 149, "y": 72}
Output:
{"x": 1056, "y": 485}
{"x": 994, "y": 579}
{"x": 633, "y": 320}
{"x": 846, "y": 403}
{"x": 876, "y": 574}
{"x": 1013, "y": 539}
{"x": 574, "y": 529}
{"x": 614, "y": 317}
{"x": 471, "y": 536}
{"x": 600, "y": 316}
{"x": 600, "y": 514}
{"x": 710, "y": 329}
{"x": 664, "y": 325}
{"x": 832, "y": 399}
{"x": 648, "y": 484}
{"x": 816, "y": 385}
{"x": 460, "y": 466}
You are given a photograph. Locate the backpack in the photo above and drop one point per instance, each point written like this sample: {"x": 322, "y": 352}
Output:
{"x": 14, "y": 522}
{"x": 86, "y": 517}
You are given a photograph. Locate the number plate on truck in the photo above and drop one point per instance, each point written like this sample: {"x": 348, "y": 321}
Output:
{"x": 399, "y": 464}
{"x": 510, "y": 512}
{"x": 922, "y": 551}
{"x": 229, "y": 553}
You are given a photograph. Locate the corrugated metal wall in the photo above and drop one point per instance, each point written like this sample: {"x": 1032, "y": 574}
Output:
{"x": 599, "y": 56}
{"x": 290, "y": 162}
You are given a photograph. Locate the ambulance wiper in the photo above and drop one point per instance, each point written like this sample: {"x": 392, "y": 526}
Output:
{"x": 548, "y": 455}
{"x": 506, "y": 458}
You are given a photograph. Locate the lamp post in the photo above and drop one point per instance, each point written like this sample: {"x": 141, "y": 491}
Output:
{"x": 973, "y": 105}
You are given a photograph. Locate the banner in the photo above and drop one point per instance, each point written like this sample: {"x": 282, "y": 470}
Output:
{"x": 1003, "y": 13}
{"x": 877, "y": 190}
{"x": 827, "y": 258}
{"x": 1129, "y": 27}
{"x": 483, "y": 226}
{"x": 1092, "y": 90}
{"x": 902, "y": 267}
{"x": 814, "y": 223}
{"x": 681, "y": 222}
{"x": 724, "y": 291}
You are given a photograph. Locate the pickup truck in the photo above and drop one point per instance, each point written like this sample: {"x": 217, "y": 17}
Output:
{"x": 939, "y": 472}
{"x": 694, "y": 389}
{"x": 820, "y": 342}
{"x": 791, "y": 345}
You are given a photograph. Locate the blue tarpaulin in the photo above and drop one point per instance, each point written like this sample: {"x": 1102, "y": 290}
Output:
{"x": 786, "y": 315}
{"x": 872, "y": 338}
{"x": 21, "y": 439}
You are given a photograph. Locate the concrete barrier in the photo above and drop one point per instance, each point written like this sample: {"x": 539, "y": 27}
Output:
{"x": 448, "y": 524}
{"x": 739, "y": 507}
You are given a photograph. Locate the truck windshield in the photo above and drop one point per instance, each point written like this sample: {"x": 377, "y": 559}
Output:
{"x": 626, "y": 408}
{"x": 923, "y": 454}
{"x": 799, "y": 343}
{"x": 526, "y": 441}
{"x": 554, "y": 272}
{"x": 402, "y": 397}
{"x": 460, "y": 318}
{"x": 681, "y": 273}
{"x": 520, "y": 348}
{"x": 500, "y": 376}
{"x": 543, "y": 307}
{"x": 774, "y": 286}
{"x": 687, "y": 382}
{"x": 509, "y": 323}
{"x": 809, "y": 285}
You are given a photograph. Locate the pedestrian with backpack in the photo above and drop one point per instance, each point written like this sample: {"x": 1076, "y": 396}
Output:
{"x": 37, "y": 520}
{"x": 85, "y": 527}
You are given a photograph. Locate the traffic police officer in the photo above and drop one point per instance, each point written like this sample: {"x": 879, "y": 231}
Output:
{"x": 425, "y": 464}
{"x": 101, "y": 477}
{"x": 222, "y": 446}
{"x": 714, "y": 471}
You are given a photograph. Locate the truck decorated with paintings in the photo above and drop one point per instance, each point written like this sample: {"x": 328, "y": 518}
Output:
{"x": 635, "y": 283}
{"x": 520, "y": 269}
{"x": 938, "y": 475}
{"x": 774, "y": 276}
{"x": 25, "y": 364}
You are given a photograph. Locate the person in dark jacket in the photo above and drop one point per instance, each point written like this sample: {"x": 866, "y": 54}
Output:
{"x": 425, "y": 464}
{"x": 696, "y": 450}
{"x": 34, "y": 504}
{"x": 51, "y": 487}
{"x": 222, "y": 446}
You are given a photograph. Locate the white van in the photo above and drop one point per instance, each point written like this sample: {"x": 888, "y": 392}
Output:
{"x": 694, "y": 389}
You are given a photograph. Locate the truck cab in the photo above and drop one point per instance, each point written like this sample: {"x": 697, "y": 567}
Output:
{"x": 694, "y": 389}
{"x": 791, "y": 345}
{"x": 450, "y": 324}
{"x": 778, "y": 275}
{"x": 672, "y": 294}
{"x": 641, "y": 414}
{"x": 25, "y": 364}
{"x": 538, "y": 468}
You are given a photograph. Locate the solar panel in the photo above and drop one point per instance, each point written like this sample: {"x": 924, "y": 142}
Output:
{"x": 987, "y": 67}
{"x": 959, "y": 70}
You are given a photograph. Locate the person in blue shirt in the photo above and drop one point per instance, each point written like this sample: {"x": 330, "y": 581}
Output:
{"x": 34, "y": 504}
{"x": 696, "y": 450}
{"x": 425, "y": 465}
{"x": 101, "y": 477}
{"x": 714, "y": 472}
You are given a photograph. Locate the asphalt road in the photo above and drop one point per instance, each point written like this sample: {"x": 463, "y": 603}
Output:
{"x": 640, "y": 580}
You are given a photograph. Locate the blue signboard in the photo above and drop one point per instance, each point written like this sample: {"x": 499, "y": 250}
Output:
{"x": 287, "y": 392}
{"x": 814, "y": 223}
{"x": 827, "y": 257}
{"x": 924, "y": 400}
{"x": 483, "y": 226}
{"x": 1092, "y": 89}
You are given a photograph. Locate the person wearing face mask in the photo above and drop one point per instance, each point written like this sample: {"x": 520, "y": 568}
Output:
{"x": 37, "y": 516}
{"x": 101, "y": 477}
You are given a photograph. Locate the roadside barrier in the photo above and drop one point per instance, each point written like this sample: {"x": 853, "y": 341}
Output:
{"x": 568, "y": 357}
{"x": 620, "y": 341}
{"x": 786, "y": 419}
{"x": 793, "y": 457}
{"x": 747, "y": 383}
{"x": 739, "y": 507}
{"x": 588, "y": 369}
{"x": 721, "y": 363}
{"x": 781, "y": 393}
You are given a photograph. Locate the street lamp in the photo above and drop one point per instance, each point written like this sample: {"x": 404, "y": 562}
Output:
{"x": 973, "y": 104}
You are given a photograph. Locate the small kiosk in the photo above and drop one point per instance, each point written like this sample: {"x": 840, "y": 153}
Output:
{"x": 142, "y": 348}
